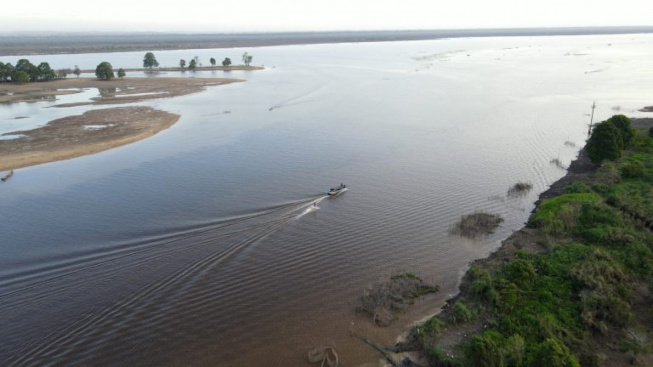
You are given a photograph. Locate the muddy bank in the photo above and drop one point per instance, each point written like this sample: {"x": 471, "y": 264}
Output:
{"x": 115, "y": 91}
{"x": 75, "y": 136}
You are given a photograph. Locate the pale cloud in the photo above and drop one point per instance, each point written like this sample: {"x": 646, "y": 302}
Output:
{"x": 288, "y": 15}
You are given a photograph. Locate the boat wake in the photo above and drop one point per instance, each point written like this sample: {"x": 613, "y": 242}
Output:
{"x": 165, "y": 270}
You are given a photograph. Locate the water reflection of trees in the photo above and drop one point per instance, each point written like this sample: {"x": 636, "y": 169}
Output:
{"x": 107, "y": 92}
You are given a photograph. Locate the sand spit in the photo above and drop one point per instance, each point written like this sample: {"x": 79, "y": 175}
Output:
{"x": 115, "y": 91}
{"x": 75, "y": 136}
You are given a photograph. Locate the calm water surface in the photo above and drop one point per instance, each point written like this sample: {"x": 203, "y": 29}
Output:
{"x": 199, "y": 245}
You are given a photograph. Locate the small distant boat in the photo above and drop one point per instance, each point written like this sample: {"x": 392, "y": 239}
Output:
{"x": 336, "y": 190}
{"x": 7, "y": 176}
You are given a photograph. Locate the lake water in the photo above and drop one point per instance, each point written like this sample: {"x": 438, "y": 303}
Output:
{"x": 199, "y": 245}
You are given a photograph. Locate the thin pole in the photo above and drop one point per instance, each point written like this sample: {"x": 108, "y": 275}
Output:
{"x": 589, "y": 132}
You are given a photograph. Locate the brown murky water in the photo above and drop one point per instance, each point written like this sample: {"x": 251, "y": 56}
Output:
{"x": 200, "y": 245}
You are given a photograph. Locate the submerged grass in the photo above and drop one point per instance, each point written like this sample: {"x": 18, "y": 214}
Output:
{"x": 396, "y": 294}
{"x": 476, "y": 224}
{"x": 520, "y": 189}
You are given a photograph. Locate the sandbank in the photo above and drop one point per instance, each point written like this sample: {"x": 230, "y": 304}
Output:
{"x": 115, "y": 91}
{"x": 75, "y": 136}
{"x": 187, "y": 69}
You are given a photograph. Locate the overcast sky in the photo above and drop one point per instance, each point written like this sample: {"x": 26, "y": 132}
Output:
{"x": 303, "y": 15}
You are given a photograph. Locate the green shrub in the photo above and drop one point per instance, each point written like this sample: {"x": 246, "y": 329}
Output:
{"x": 437, "y": 357}
{"x": 483, "y": 287}
{"x": 520, "y": 272}
{"x": 553, "y": 205}
{"x": 609, "y": 173}
{"x": 429, "y": 332}
{"x": 633, "y": 169}
{"x": 485, "y": 350}
{"x": 597, "y": 214}
{"x": 577, "y": 188}
{"x": 20, "y": 77}
{"x": 553, "y": 353}
{"x": 605, "y": 142}
{"x": 461, "y": 314}
{"x": 622, "y": 123}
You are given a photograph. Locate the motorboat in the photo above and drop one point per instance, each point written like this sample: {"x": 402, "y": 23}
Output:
{"x": 337, "y": 190}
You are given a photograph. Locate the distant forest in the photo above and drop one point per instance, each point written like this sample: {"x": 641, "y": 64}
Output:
{"x": 70, "y": 43}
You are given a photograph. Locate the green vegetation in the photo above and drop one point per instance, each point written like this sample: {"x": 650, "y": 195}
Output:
{"x": 121, "y": 73}
{"x": 226, "y": 62}
{"x": 104, "y": 71}
{"x": 589, "y": 291}
{"x": 149, "y": 61}
{"x": 609, "y": 138}
{"x": 212, "y": 61}
{"x": 193, "y": 64}
{"x": 25, "y": 71}
{"x": 182, "y": 63}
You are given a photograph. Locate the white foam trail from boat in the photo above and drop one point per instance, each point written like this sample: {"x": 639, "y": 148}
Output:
{"x": 312, "y": 207}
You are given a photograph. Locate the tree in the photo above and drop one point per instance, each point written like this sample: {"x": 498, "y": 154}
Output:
{"x": 149, "y": 61}
{"x": 182, "y": 63}
{"x": 6, "y": 70}
{"x": 226, "y": 62}
{"x": 29, "y": 68}
{"x": 605, "y": 143}
{"x": 121, "y": 73}
{"x": 247, "y": 59}
{"x": 212, "y": 61}
{"x": 77, "y": 71}
{"x": 20, "y": 77}
{"x": 192, "y": 64}
{"x": 622, "y": 123}
{"x": 46, "y": 72}
{"x": 104, "y": 71}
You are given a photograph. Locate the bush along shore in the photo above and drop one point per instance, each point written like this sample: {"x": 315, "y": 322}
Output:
{"x": 572, "y": 288}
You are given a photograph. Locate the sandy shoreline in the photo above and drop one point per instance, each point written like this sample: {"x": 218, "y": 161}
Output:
{"x": 115, "y": 91}
{"x": 186, "y": 69}
{"x": 75, "y": 136}
{"x": 95, "y": 130}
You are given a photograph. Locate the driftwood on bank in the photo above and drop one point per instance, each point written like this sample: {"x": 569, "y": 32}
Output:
{"x": 7, "y": 176}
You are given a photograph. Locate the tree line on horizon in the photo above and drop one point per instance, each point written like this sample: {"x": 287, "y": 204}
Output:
{"x": 24, "y": 71}
{"x": 149, "y": 61}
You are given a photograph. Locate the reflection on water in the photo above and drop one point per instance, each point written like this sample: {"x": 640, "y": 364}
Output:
{"x": 107, "y": 92}
{"x": 201, "y": 246}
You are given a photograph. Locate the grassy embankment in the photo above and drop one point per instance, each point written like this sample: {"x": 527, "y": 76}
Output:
{"x": 574, "y": 288}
